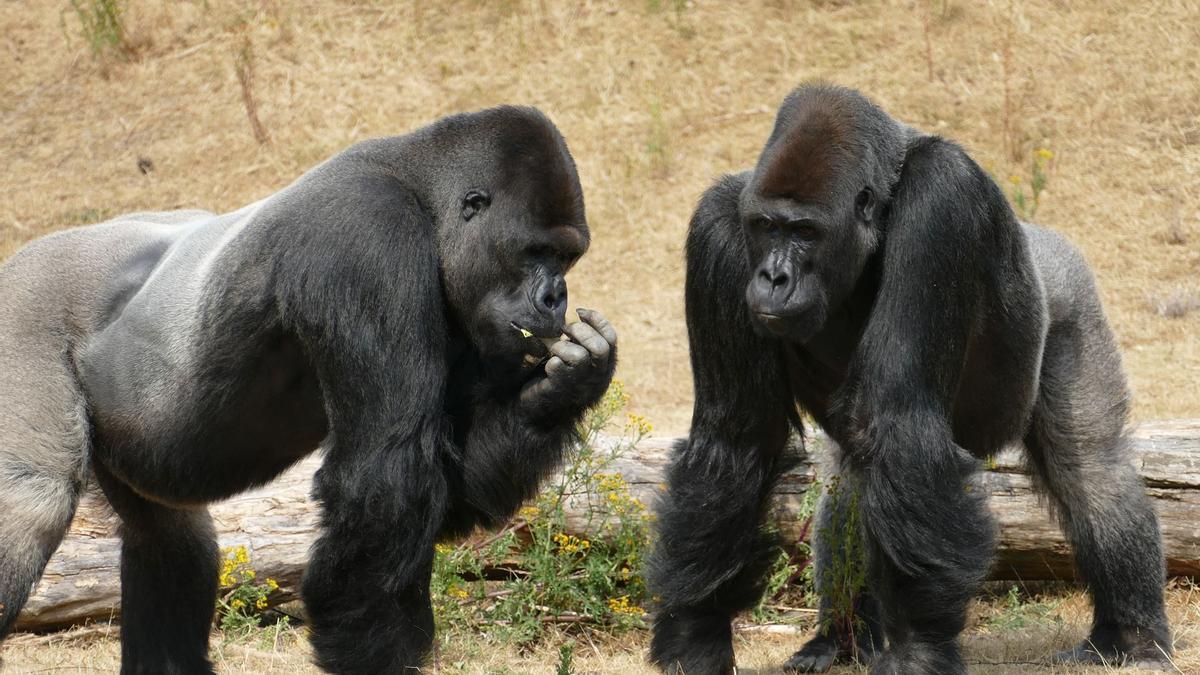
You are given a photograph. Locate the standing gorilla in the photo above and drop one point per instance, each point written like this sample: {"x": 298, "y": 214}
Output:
{"x": 875, "y": 277}
{"x": 383, "y": 307}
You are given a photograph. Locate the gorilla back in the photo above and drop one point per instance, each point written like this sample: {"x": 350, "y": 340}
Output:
{"x": 378, "y": 307}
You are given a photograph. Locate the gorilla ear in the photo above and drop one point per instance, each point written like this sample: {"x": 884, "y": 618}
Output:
{"x": 864, "y": 204}
{"x": 474, "y": 202}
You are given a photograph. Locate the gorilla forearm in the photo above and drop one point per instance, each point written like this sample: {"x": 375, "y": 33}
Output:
{"x": 712, "y": 552}
{"x": 501, "y": 464}
{"x": 515, "y": 436}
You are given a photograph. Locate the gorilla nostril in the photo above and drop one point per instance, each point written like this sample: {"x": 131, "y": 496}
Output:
{"x": 774, "y": 279}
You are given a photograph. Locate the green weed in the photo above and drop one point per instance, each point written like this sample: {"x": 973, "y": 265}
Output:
{"x": 1026, "y": 204}
{"x": 102, "y": 25}
{"x": 243, "y": 597}
{"x": 1016, "y": 613}
{"x": 541, "y": 571}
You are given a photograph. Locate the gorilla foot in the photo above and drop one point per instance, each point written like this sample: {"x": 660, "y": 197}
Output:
{"x": 920, "y": 658}
{"x": 686, "y": 643}
{"x": 816, "y": 656}
{"x": 1148, "y": 656}
{"x": 820, "y": 653}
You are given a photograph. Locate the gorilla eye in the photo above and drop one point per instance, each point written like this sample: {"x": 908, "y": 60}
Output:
{"x": 474, "y": 202}
{"x": 807, "y": 232}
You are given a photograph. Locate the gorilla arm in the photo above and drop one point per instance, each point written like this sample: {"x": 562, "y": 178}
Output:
{"x": 929, "y": 534}
{"x": 357, "y": 281}
{"x": 712, "y": 552}
{"x": 517, "y": 435}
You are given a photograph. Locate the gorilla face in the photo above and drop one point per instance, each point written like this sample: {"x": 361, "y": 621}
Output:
{"x": 805, "y": 257}
{"x": 808, "y": 213}
{"x": 525, "y": 296}
{"x": 511, "y": 237}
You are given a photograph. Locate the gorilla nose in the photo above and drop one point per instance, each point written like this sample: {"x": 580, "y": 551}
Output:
{"x": 773, "y": 279}
{"x": 551, "y": 297}
{"x": 770, "y": 289}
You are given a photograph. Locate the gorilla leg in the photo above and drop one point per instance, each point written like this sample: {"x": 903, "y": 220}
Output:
{"x": 169, "y": 565}
{"x": 1078, "y": 450}
{"x": 859, "y": 635}
{"x": 43, "y": 453}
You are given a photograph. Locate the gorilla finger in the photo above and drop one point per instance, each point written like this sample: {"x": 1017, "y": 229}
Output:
{"x": 553, "y": 364}
{"x": 590, "y": 339}
{"x": 570, "y": 353}
{"x": 596, "y": 320}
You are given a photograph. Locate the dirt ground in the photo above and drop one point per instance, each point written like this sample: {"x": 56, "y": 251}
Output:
{"x": 1003, "y": 640}
{"x": 656, "y": 98}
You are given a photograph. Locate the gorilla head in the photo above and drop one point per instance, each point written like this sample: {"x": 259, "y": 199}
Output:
{"x": 811, "y": 208}
{"x": 509, "y": 230}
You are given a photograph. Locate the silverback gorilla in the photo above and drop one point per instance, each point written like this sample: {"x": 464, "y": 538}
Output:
{"x": 875, "y": 278}
{"x": 384, "y": 307}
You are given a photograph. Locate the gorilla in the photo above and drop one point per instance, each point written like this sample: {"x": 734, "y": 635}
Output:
{"x": 385, "y": 308}
{"x": 875, "y": 277}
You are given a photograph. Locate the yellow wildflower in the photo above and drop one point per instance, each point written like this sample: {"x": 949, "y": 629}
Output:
{"x": 1014, "y": 179}
{"x": 622, "y": 605}
{"x": 237, "y": 603}
{"x": 1044, "y": 154}
{"x": 261, "y": 603}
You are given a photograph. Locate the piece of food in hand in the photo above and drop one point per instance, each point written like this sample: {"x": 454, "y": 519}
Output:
{"x": 526, "y": 333}
{"x": 537, "y": 359}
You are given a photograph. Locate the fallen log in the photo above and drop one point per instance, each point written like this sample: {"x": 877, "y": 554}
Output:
{"x": 278, "y": 523}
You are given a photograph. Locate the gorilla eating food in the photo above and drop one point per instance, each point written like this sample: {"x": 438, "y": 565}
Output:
{"x": 876, "y": 278}
{"x": 385, "y": 307}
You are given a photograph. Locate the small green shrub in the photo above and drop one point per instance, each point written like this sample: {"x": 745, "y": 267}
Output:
{"x": 1015, "y": 612}
{"x": 1026, "y": 205}
{"x": 243, "y": 598}
{"x": 790, "y": 579}
{"x": 101, "y": 24}
{"x": 538, "y": 571}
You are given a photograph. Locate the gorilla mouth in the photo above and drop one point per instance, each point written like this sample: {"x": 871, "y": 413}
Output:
{"x": 537, "y": 348}
{"x": 773, "y": 322}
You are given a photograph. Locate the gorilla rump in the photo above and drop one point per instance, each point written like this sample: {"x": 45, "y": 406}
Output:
{"x": 876, "y": 278}
{"x": 383, "y": 307}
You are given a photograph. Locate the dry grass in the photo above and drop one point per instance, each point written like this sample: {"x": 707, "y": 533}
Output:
{"x": 655, "y": 103}
{"x": 656, "y": 98}
{"x": 988, "y": 650}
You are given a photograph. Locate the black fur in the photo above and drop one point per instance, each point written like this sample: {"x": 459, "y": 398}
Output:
{"x": 876, "y": 278}
{"x": 368, "y": 309}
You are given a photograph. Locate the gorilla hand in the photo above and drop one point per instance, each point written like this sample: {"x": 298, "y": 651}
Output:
{"x": 578, "y": 370}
